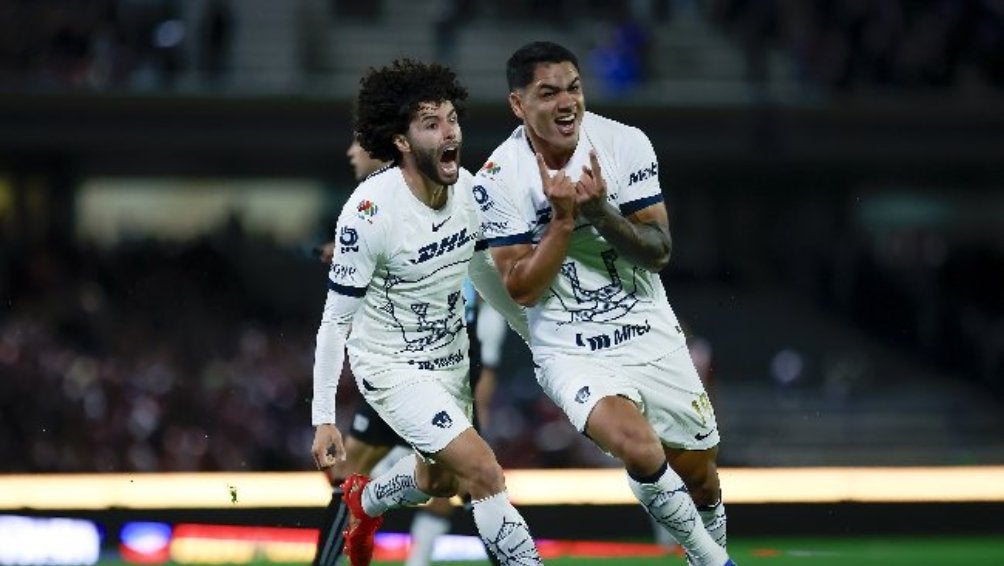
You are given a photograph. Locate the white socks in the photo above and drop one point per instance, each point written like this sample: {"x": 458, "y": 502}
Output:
{"x": 666, "y": 499}
{"x": 504, "y": 531}
{"x": 500, "y": 525}
{"x": 662, "y": 536}
{"x": 394, "y": 488}
{"x": 714, "y": 521}
{"x": 425, "y": 529}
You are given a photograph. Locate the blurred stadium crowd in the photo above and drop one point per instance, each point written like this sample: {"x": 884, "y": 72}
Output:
{"x": 148, "y": 357}
{"x": 844, "y": 44}
{"x": 191, "y": 355}
{"x": 154, "y": 356}
{"x": 831, "y": 44}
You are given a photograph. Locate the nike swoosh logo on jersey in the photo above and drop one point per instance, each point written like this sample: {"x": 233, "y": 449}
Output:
{"x": 436, "y": 227}
{"x": 700, "y": 436}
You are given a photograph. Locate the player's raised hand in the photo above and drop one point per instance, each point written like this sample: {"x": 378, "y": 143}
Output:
{"x": 559, "y": 190}
{"x": 591, "y": 189}
{"x": 327, "y": 448}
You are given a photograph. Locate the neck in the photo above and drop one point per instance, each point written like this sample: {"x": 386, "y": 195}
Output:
{"x": 554, "y": 158}
{"x": 431, "y": 194}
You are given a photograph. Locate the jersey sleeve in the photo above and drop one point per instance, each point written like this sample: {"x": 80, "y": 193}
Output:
{"x": 359, "y": 243}
{"x": 639, "y": 171}
{"x": 329, "y": 354}
{"x": 360, "y": 238}
{"x": 504, "y": 220}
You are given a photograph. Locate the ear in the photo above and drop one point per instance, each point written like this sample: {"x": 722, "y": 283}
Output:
{"x": 516, "y": 103}
{"x": 401, "y": 143}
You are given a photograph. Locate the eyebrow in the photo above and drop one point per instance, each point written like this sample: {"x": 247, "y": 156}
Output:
{"x": 542, "y": 85}
{"x": 428, "y": 109}
{"x": 427, "y": 113}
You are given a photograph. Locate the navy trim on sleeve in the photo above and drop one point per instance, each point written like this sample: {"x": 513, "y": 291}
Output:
{"x": 636, "y": 205}
{"x": 524, "y": 238}
{"x": 480, "y": 245}
{"x": 346, "y": 290}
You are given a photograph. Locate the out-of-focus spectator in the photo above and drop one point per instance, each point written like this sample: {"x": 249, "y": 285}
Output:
{"x": 147, "y": 357}
{"x": 452, "y": 15}
{"x": 855, "y": 44}
{"x": 621, "y": 62}
{"x": 215, "y": 38}
{"x": 91, "y": 44}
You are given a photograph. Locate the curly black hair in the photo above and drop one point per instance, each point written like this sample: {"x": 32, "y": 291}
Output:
{"x": 390, "y": 96}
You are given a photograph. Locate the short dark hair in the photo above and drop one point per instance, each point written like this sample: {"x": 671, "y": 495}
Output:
{"x": 390, "y": 96}
{"x": 522, "y": 64}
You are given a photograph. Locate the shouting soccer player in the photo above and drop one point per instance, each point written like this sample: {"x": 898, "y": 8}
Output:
{"x": 575, "y": 218}
{"x": 407, "y": 239}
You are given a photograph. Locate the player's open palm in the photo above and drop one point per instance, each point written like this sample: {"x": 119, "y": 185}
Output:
{"x": 327, "y": 448}
{"x": 559, "y": 190}
{"x": 591, "y": 189}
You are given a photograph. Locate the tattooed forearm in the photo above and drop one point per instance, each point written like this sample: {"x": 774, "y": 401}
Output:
{"x": 647, "y": 245}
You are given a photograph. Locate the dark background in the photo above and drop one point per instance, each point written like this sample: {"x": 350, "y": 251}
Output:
{"x": 833, "y": 172}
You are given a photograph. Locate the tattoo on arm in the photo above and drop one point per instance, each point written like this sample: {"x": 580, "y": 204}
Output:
{"x": 646, "y": 244}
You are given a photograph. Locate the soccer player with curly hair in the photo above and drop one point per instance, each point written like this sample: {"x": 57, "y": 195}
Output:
{"x": 407, "y": 238}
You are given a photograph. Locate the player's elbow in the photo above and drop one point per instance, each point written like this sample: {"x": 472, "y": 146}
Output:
{"x": 659, "y": 258}
{"x": 658, "y": 263}
{"x": 522, "y": 292}
{"x": 525, "y": 298}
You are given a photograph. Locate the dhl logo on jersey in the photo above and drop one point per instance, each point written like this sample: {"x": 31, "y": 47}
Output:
{"x": 447, "y": 244}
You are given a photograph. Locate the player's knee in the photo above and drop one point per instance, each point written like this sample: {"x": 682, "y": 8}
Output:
{"x": 636, "y": 446}
{"x": 706, "y": 490}
{"x": 437, "y": 483}
{"x": 440, "y": 507}
{"x": 485, "y": 478}
{"x": 443, "y": 487}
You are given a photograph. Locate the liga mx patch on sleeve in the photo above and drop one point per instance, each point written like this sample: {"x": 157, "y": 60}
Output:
{"x": 491, "y": 168}
{"x": 366, "y": 210}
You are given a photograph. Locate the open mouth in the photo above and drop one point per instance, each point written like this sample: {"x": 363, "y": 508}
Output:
{"x": 449, "y": 160}
{"x": 566, "y": 124}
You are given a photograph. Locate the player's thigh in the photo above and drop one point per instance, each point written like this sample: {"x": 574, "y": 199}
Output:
{"x": 675, "y": 403}
{"x": 576, "y": 384}
{"x": 618, "y": 427}
{"x": 427, "y": 413}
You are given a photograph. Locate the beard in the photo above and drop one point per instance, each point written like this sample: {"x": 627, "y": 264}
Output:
{"x": 427, "y": 162}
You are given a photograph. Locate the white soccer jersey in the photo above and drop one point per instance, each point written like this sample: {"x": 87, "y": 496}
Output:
{"x": 408, "y": 262}
{"x": 600, "y": 303}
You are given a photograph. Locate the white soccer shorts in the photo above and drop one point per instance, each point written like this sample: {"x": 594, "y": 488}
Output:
{"x": 427, "y": 409}
{"x": 667, "y": 390}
